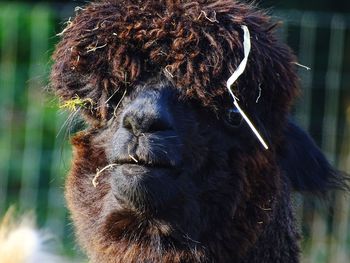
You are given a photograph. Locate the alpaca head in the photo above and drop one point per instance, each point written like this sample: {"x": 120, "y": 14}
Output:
{"x": 167, "y": 170}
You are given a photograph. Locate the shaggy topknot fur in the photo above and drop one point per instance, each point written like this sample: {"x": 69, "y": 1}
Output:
{"x": 111, "y": 45}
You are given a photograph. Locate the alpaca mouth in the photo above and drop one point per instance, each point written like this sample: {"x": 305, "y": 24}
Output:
{"x": 134, "y": 161}
{"x": 145, "y": 165}
{"x": 141, "y": 171}
{"x": 145, "y": 186}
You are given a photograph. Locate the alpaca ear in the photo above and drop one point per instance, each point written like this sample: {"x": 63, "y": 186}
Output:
{"x": 302, "y": 161}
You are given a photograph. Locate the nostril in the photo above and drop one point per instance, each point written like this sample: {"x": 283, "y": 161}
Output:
{"x": 146, "y": 124}
{"x": 149, "y": 112}
{"x": 128, "y": 123}
{"x": 132, "y": 124}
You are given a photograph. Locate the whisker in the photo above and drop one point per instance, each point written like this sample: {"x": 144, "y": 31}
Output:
{"x": 120, "y": 101}
{"x": 68, "y": 121}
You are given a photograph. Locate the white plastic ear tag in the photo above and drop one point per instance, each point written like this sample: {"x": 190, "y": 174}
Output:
{"x": 239, "y": 71}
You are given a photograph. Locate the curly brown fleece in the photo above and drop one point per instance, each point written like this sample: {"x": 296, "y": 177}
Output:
{"x": 111, "y": 45}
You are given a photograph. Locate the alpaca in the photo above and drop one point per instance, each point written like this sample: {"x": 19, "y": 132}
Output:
{"x": 169, "y": 169}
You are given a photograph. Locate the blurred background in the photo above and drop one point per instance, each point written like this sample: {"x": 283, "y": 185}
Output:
{"x": 34, "y": 150}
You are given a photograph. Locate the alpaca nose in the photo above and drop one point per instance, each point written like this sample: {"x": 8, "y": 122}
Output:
{"x": 148, "y": 113}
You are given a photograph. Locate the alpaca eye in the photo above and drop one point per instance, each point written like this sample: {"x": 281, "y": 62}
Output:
{"x": 233, "y": 118}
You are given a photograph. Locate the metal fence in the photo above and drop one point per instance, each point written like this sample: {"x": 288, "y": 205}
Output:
{"x": 34, "y": 154}
{"x": 321, "y": 42}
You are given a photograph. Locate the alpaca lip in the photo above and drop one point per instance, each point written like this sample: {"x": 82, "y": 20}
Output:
{"x": 144, "y": 163}
{"x": 141, "y": 188}
{"x": 131, "y": 169}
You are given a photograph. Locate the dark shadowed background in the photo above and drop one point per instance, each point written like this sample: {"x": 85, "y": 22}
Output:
{"x": 35, "y": 155}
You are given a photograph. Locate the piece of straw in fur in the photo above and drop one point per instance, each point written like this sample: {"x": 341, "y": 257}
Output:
{"x": 76, "y": 103}
{"x": 302, "y": 66}
{"x": 99, "y": 173}
{"x": 94, "y": 48}
{"x": 239, "y": 71}
{"x": 68, "y": 25}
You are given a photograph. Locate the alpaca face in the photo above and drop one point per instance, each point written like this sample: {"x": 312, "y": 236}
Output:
{"x": 146, "y": 141}
{"x": 169, "y": 163}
